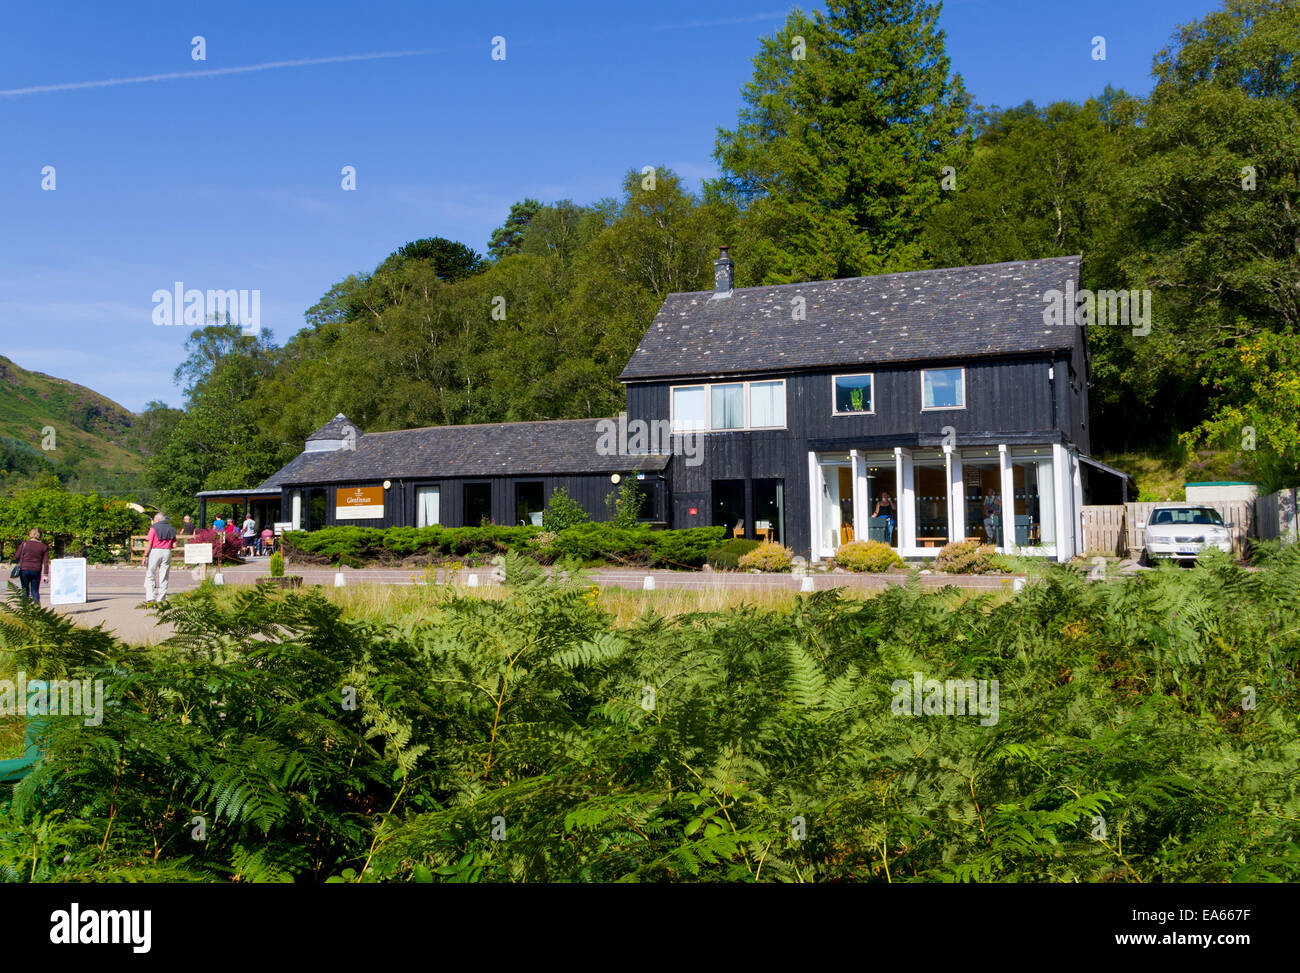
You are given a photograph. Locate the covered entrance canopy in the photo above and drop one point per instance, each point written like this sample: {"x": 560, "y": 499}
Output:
{"x": 262, "y": 502}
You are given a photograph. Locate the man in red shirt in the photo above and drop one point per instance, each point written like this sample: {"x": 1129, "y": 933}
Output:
{"x": 157, "y": 557}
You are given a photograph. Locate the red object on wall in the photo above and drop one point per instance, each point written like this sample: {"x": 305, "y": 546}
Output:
{"x": 693, "y": 511}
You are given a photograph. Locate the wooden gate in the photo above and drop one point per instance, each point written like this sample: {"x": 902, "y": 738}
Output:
{"x": 1104, "y": 530}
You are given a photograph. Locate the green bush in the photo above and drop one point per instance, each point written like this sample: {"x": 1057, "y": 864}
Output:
{"x": 768, "y": 556}
{"x": 873, "y": 556}
{"x": 727, "y": 555}
{"x": 563, "y": 511}
{"x": 81, "y": 522}
{"x": 967, "y": 557}
{"x": 590, "y": 543}
{"x": 277, "y": 565}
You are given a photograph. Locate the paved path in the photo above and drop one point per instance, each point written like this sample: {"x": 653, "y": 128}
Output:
{"x": 114, "y": 594}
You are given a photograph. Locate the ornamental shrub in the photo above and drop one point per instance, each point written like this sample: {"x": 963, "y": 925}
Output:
{"x": 563, "y": 511}
{"x": 277, "y": 565}
{"x": 727, "y": 555}
{"x": 966, "y": 557}
{"x": 768, "y": 556}
{"x": 873, "y": 556}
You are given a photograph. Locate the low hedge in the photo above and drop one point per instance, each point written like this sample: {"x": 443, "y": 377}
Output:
{"x": 588, "y": 543}
{"x": 967, "y": 557}
{"x": 727, "y": 555}
{"x": 874, "y": 556}
{"x": 768, "y": 556}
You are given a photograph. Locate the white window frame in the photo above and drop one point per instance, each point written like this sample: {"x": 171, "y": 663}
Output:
{"x": 944, "y": 408}
{"x": 708, "y": 404}
{"x": 864, "y": 412}
{"x": 672, "y": 406}
{"x": 785, "y": 404}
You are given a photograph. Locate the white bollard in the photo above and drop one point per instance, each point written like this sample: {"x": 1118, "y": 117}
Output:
{"x": 218, "y": 579}
{"x": 339, "y": 580}
{"x": 806, "y": 584}
{"x": 472, "y": 581}
{"x": 649, "y": 583}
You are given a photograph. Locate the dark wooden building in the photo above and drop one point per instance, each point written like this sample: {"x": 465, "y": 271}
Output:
{"x": 912, "y": 408}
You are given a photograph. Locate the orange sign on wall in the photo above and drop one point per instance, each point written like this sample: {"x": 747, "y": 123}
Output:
{"x": 359, "y": 503}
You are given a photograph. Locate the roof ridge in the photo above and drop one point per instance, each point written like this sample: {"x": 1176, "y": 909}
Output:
{"x": 897, "y": 273}
{"x": 485, "y": 425}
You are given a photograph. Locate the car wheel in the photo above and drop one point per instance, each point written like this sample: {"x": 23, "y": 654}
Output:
{"x": 1144, "y": 559}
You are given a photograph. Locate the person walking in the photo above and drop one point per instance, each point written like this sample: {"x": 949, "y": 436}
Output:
{"x": 249, "y": 532}
{"x": 33, "y": 559}
{"x": 157, "y": 557}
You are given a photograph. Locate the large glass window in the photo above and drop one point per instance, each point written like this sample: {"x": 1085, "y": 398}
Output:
{"x": 478, "y": 504}
{"x": 427, "y": 504}
{"x": 931, "y": 482}
{"x": 982, "y": 493}
{"x": 1035, "y": 500}
{"x": 690, "y": 408}
{"x": 317, "y": 509}
{"x": 882, "y": 502}
{"x": 852, "y": 394}
{"x": 728, "y": 406}
{"x": 769, "y": 510}
{"x": 729, "y": 505}
{"x": 766, "y": 404}
{"x": 943, "y": 388}
{"x": 530, "y": 501}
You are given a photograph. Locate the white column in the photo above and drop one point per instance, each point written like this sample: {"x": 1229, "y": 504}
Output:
{"x": 1008, "y": 499}
{"x": 859, "y": 496}
{"x": 906, "y": 498}
{"x": 1077, "y": 546}
{"x": 956, "y": 495}
{"x": 1064, "y": 520}
{"x": 815, "y": 506}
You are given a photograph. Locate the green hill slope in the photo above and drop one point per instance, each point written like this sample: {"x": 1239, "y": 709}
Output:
{"x": 96, "y": 441}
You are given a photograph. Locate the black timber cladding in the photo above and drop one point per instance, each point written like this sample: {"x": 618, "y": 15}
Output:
{"x": 963, "y": 312}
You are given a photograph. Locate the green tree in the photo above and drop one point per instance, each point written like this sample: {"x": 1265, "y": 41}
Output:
{"x": 508, "y": 238}
{"x": 838, "y": 155}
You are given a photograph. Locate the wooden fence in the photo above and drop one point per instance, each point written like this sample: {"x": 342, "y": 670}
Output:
{"x": 1104, "y": 530}
{"x": 1276, "y": 517}
{"x": 1116, "y": 529}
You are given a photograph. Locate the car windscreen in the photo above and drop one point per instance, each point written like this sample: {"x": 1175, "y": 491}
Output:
{"x": 1198, "y": 516}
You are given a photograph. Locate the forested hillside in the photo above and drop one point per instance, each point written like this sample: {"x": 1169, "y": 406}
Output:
{"x": 864, "y": 155}
{"x": 55, "y": 431}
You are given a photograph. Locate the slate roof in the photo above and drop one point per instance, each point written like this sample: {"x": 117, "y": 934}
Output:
{"x": 336, "y": 428}
{"x": 960, "y": 312}
{"x": 557, "y": 447}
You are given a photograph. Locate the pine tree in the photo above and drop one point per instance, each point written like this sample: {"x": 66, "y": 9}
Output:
{"x": 840, "y": 146}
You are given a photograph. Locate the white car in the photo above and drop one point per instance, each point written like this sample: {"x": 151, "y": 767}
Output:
{"x": 1181, "y": 531}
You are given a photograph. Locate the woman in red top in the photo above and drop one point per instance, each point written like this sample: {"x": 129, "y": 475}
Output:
{"x": 33, "y": 563}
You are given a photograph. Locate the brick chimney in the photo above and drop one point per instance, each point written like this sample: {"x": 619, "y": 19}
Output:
{"x": 724, "y": 274}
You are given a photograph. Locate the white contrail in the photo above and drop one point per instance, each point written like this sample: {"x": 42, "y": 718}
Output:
{"x": 207, "y": 73}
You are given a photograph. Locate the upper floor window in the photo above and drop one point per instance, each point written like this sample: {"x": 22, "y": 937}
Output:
{"x": 728, "y": 406}
{"x": 852, "y": 394}
{"x": 943, "y": 388}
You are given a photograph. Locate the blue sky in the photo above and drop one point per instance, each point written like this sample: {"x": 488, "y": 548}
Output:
{"x": 233, "y": 180}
